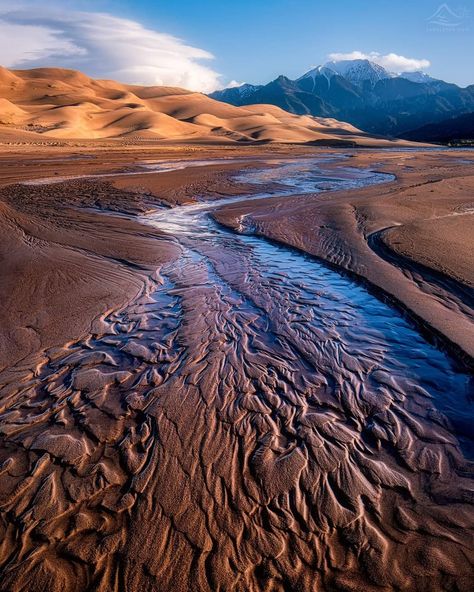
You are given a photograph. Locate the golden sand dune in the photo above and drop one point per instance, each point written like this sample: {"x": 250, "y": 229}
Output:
{"x": 67, "y": 104}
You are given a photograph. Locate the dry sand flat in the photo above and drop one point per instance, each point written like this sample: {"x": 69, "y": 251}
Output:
{"x": 51, "y": 103}
{"x": 189, "y": 420}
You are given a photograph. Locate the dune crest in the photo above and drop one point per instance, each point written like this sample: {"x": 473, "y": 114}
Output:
{"x": 67, "y": 104}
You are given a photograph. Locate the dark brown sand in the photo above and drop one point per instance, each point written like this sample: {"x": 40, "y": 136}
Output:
{"x": 62, "y": 266}
{"x": 223, "y": 452}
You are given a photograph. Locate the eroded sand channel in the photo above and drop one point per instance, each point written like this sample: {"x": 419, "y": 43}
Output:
{"x": 254, "y": 421}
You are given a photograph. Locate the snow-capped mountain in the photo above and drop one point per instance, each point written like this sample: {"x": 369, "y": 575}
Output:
{"x": 245, "y": 89}
{"x": 319, "y": 71}
{"x": 357, "y": 72}
{"x": 236, "y": 95}
{"x": 360, "y": 72}
{"x": 362, "y": 93}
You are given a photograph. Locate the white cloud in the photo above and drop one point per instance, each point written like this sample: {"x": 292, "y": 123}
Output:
{"x": 103, "y": 46}
{"x": 23, "y": 43}
{"x": 391, "y": 61}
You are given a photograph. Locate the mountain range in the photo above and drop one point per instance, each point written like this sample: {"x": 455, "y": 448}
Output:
{"x": 362, "y": 93}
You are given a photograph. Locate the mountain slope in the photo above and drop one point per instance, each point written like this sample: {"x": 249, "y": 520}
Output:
{"x": 67, "y": 104}
{"x": 364, "y": 94}
{"x": 457, "y": 129}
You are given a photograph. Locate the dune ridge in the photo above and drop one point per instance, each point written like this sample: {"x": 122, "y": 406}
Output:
{"x": 66, "y": 104}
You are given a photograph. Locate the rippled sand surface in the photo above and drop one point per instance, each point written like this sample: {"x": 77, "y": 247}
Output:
{"x": 253, "y": 421}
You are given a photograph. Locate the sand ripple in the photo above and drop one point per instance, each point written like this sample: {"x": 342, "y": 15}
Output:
{"x": 254, "y": 421}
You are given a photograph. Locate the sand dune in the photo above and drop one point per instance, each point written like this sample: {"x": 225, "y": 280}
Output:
{"x": 67, "y": 104}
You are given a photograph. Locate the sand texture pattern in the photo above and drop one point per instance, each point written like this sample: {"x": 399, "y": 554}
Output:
{"x": 184, "y": 407}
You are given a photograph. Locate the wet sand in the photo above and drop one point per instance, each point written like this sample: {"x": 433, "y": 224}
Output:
{"x": 63, "y": 266}
{"x": 411, "y": 239}
{"x": 205, "y": 410}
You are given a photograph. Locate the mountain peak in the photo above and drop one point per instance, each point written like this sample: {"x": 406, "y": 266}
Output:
{"x": 318, "y": 71}
{"x": 359, "y": 71}
{"x": 245, "y": 88}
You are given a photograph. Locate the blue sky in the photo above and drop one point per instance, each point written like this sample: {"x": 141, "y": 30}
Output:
{"x": 256, "y": 41}
{"x": 249, "y": 41}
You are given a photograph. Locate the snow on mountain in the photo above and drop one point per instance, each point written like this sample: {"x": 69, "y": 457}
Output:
{"x": 245, "y": 89}
{"x": 319, "y": 71}
{"x": 359, "y": 72}
{"x": 419, "y": 77}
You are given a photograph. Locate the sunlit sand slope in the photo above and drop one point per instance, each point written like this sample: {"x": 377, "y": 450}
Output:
{"x": 65, "y": 104}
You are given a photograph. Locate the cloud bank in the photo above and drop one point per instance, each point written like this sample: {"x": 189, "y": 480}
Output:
{"x": 103, "y": 46}
{"x": 391, "y": 61}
